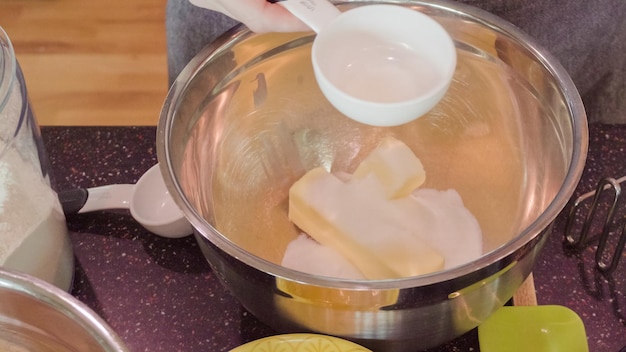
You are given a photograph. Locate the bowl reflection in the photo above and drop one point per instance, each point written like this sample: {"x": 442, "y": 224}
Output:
{"x": 37, "y": 316}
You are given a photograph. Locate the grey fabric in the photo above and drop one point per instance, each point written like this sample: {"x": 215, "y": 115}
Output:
{"x": 188, "y": 30}
{"x": 588, "y": 37}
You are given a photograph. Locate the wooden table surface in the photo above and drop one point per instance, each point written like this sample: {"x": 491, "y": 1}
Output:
{"x": 90, "y": 62}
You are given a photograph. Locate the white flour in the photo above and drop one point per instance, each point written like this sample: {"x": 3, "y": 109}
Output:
{"x": 33, "y": 234}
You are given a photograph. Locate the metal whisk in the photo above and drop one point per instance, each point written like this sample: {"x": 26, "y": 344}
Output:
{"x": 580, "y": 241}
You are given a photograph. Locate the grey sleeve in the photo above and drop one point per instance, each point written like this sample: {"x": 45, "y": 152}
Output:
{"x": 188, "y": 30}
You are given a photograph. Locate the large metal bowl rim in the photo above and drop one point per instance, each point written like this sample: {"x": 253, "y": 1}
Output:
{"x": 574, "y": 172}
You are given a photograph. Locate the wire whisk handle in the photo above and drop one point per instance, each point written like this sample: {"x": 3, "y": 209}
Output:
{"x": 607, "y": 184}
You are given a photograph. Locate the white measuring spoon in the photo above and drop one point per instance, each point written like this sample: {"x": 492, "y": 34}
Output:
{"x": 148, "y": 200}
{"x": 383, "y": 65}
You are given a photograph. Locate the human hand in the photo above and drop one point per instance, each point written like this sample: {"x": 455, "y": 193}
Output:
{"x": 259, "y": 15}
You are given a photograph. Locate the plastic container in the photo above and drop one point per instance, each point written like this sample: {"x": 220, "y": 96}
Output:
{"x": 33, "y": 232}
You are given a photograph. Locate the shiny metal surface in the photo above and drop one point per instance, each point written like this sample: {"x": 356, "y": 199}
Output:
{"x": 36, "y": 316}
{"x": 245, "y": 119}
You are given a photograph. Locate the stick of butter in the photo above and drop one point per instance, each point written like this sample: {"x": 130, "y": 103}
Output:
{"x": 357, "y": 219}
{"x": 400, "y": 172}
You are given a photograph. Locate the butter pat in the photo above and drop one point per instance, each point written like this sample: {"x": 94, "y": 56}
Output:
{"x": 358, "y": 220}
{"x": 395, "y": 165}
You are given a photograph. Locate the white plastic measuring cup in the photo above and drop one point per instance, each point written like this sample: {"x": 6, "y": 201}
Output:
{"x": 149, "y": 202}
{"x": 382, "y": 65}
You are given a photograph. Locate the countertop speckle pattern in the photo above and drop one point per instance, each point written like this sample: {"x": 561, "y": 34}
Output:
{"x": 160, "y": 295}
{"x": 569, "y": 278}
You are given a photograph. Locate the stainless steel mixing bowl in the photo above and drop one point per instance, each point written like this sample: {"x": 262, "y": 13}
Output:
{"x": 36, "y": 316}
{"x": 245, "y": 119}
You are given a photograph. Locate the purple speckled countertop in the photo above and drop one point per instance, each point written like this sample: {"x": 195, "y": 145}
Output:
{"x": 160, "y": 295}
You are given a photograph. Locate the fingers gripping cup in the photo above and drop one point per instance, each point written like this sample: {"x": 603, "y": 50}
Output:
{"x": 382, "y": 65}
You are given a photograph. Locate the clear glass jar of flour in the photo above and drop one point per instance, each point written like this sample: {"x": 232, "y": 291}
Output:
{"x": 33, "y": 232}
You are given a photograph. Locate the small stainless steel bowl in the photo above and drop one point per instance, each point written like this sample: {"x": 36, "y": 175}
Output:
{"x": 245, "y": 119}
{"x": 37, "y": 316}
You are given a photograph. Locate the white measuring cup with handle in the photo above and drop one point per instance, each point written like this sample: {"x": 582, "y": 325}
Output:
{"x": 148, "y": 200}
{"x": 381, "y": 64}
